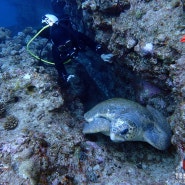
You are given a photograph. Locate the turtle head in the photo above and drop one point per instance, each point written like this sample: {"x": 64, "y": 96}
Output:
{"x": 123, "y": 130}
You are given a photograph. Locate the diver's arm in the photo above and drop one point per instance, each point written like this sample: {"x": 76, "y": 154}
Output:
{"x": 98, "y": 48}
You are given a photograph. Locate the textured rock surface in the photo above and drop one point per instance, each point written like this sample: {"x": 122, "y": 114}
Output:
{"x": 47, "y": 146}
{"x": 148, "y": 67}
{"x": 144, "y": 35}
{"x": 128, "y": 32}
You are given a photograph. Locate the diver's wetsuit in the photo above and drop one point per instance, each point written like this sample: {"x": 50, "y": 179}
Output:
{"x": 62, "y": 50}
{"x": 66, "y": 44}
{"x": 66, "y": 41}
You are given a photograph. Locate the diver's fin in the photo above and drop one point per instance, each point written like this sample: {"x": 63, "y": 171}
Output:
{"x": 97, "y": 125}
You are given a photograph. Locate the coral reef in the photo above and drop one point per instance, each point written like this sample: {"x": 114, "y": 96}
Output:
{"x": 143, "y": 39}
{"x": 11, "y": 123}
{"x": 48, "y": 146}
{"x": 141, "y": 27}
{"x": 2, "y": 108}
{"x": 4, "y": 34}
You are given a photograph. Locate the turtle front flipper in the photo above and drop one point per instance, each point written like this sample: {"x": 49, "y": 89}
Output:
{"x": 97, "y": 125}
{"x": 157, "y": 138}
{"x": 160, "y": 121}
{"x": 161, "y": 133}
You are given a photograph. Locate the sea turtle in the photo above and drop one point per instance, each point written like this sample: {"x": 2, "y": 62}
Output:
{"x": 125, "y": 120}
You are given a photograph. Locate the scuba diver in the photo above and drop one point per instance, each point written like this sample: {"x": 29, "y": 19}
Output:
{"x": 66, "y": 41}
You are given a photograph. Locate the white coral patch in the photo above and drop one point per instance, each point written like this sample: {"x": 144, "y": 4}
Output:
{"x": 27, "y": 76}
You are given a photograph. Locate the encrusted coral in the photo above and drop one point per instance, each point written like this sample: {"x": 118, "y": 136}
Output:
{"x": 4, "y": 34}
{"x": 6, "y": 76}
{"x": 2, "y": 108}
{"x": 11, "y": 123}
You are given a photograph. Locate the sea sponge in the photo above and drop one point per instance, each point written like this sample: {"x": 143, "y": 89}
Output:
{"x": 11, "y": 123}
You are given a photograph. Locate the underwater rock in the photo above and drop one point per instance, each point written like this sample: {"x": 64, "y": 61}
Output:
{"x": 30, "y": 169}
{"x": 147, "y": 91}
{"x": 142, "y": 23}
{"x": 114, "y": 7}
{"x": 144, "y": 49}
{"x": 124, "y": 120}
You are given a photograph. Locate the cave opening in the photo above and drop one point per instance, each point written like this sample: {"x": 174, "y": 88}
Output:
{"x": 100, "y": 80}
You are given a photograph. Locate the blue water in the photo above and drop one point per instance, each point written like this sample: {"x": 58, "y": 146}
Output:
{"x": 18, "y": 14}
{"x": 7, "y": 14}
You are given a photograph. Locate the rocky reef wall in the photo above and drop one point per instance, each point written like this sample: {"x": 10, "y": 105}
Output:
{"x": 144, "y": 37}
{"x": 41, "y": 140}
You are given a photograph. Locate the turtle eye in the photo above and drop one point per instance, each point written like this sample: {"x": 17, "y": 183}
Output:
{"x": 124, "y": 131}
